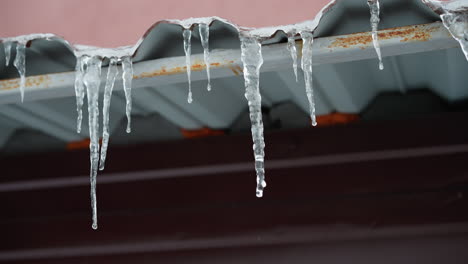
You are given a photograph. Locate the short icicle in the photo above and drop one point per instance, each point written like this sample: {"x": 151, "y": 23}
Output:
{"x": 79, "y": 91}
{"x": 7, "y": 47}
{"x": 187, "y": 34}
{"x": 92, "y": 81}
{"x": 112, "y": 72}
{"x": 292, "y": 49}
{"x": 127, "y": 76}
{"x": 251, "y": 56}
{"x": 457, "y": 25}
{"x": 20, "y": 64}
{"x": 306, "y": 65}
{"x": 374, "y": 6}
{"x": 204, "y": 38}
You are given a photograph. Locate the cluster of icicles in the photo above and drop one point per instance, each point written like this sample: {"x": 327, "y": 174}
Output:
{"x": 90, "y": 59}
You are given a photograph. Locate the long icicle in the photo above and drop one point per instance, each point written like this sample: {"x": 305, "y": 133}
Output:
{"x": 127, "y": 76}
{"x": 7, "y": 47}
{"x": 375, "y": 19}
{"x": 187, "y": 34}
{"x": 79, "y": 92}
{"x": 204, "y": 37}
{"x": 457, "y": 24}
{"x": 92, "y": 81}
{"x": 112, "y": 72}
{"x": 251, "y": 55}
{"x": 306, "y": 65}
{"x": 20, "y": 64}
{"x": 292, "y": 49}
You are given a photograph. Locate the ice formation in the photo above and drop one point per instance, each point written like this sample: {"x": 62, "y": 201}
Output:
{"x": 112, "y": 72}
{"x": 292, "y": 49}
{"x": 127, "y": 76}
{"x": 90, "y": 59}
{"x": 7, "y": 48}
{"x": 91, "y": 72}
{"x": 251, "y": 56}
{"x": 187, "y": 34}
{"x": 374, "y": 6}
{"x": 204, "y": 30}
{"x": 306, "y": 65}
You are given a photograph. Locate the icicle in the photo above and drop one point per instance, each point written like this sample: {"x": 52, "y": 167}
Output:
{"x": 306, "y": 65}
{"x": 375, "y": 11}
{"x": 20, "y": 64}
{"x": 292, "y": 49}
{"x": 79, "y": 92}
{"x": 252, "y": 59}
{"x": 187, "y": 33}
{"x": 112, "y": 72}
{"x": 457, "y": 25}
{"x": 92, "y": 81}
{"x": 127, "y": 76}
{"x": 7, "y": 47}
{"x": 204, "y": 37}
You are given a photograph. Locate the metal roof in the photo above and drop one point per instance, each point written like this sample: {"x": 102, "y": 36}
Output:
{"x": 418, "y": 51}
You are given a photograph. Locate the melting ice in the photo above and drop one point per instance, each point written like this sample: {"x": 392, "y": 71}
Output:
{"x": 251, "y": 56}
{"x": 112, "y": 72}
{"x": 375, "y": 19}
{"x": 127, "y": 76}
{"x": 7, "y": 48}
{"x": 187, "y": 34}
{"x": 204, "y": 38}
{"x": 457, "y": 24}
{"x": 306, "y": 65}
{"x": 292, "y": 49}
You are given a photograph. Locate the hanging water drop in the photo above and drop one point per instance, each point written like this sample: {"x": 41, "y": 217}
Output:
{"x": 306, "y": 65}
{"x": 92, "y": 81}
{"x": 374, "y": 20}
{"x": 251, "y": 56}
{"x": 127, "y": 76}
{"x": 79, "y": 92}
{"x": 292, "y": 49}
{"x": 112, "y": 72}
{"x": 20, "y": 64}
{"x": 204, "y": 38}
{"x": 7, "y": 47}
{"x": 457, "y": 25}
{"x": 187, "y": 34}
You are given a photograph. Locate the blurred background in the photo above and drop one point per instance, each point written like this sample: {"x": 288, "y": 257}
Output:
{"x": 381, "y": 179}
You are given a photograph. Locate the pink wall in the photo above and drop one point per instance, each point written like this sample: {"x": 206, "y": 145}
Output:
{"x": 122, "y": 22}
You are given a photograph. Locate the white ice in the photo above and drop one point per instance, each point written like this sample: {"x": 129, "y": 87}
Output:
{"x": 457, "y": 25}
{"x": 292, "y": 49}
{"x": 92, "y": 81}
{"x": 251, "y": 56}
{"x": 306, "y": 65}
{"x": 127, "y": 76}
{"x": 187, "y": 34}
{"x": 7, "y": 47}
{"x": 112, "y": 72}
{"x": 20, "y": 64}
{"x": 79, "y": 91}
{"x": 204, "y": 30}
{"x": 374, "y": 7}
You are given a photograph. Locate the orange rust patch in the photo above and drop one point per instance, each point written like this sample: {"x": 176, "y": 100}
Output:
{"x": 203, "y": 132}
{"x": 336, "y": 118}
{"x": 413, "y": 33}
{"x": 32, "y": 81}
{"x": 174, "y": 70}
{"x": 236, "y": 69}
{"x": 81, "y": 144}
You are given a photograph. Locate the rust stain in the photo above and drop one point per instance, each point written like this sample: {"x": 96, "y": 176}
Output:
{"x": 32, "y": 81}
{"x": 406, "y": 34}
{"x": 336, "y": 119}
{"x": 196, "y": 66}
{"x": 236, "y": 69}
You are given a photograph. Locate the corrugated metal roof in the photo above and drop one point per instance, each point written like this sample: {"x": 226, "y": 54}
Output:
{"x": 346, "y": 78}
